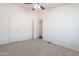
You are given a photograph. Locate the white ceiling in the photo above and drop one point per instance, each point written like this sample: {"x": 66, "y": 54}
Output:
{"x": 47, "y": 6}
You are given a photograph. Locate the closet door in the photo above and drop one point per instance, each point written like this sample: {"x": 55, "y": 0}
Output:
{"x": 14, "y": 29}
{"x": 21, "y": 27}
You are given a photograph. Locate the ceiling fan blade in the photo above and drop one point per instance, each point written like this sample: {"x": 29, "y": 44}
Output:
{"x": 42, "y": 7}
{"x": 28, "y": 3}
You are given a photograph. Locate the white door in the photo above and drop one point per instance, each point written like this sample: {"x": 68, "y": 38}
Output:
{"x": 14, "y": 30}
{"x": 35, "y": 28}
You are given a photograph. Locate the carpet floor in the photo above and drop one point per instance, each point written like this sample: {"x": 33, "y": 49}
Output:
{"x": 35, "y": 48}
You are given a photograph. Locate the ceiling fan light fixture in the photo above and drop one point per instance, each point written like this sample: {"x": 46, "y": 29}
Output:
{"x": 36, "y": 6}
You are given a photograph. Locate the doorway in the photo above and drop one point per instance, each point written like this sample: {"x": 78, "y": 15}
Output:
{"x": 37, "y": 29}
{"x": 40, "y": 29}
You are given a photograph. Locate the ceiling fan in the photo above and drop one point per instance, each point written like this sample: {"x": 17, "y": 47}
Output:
{"x": 36, "y": 5}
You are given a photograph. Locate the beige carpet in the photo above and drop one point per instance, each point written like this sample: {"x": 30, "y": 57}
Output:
{"x": 35, "y": 48}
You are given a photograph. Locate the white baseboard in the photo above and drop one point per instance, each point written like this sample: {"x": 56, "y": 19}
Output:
{"x": 6, "y": 42}
{"x": 64, "y": 46}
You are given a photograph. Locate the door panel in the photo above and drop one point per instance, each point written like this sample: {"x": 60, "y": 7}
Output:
{"x": 14, "y": 30}
{"x": 36, "y": 29}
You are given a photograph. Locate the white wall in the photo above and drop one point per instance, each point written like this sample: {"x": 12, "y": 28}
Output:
{"x": 61, "y": 26}
{"x": 15, "y": 23}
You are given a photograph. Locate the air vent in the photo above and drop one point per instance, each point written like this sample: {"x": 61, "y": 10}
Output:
{"x": 49, "y": 42}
